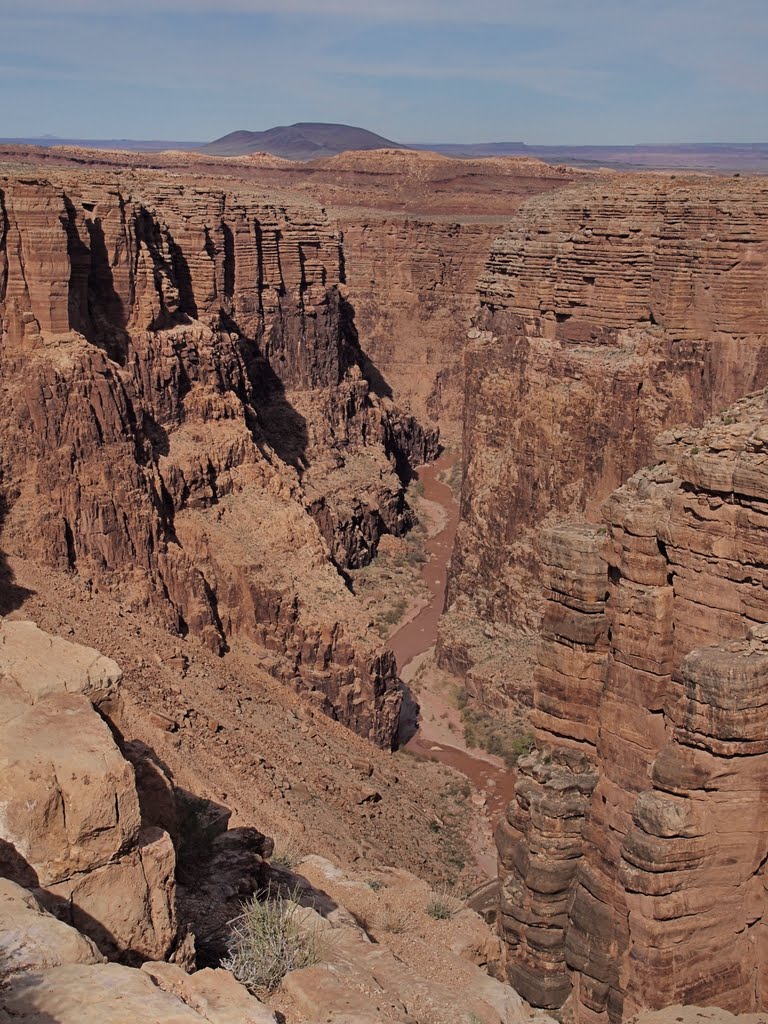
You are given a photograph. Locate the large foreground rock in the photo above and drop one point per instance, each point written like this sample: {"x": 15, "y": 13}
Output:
{"x": 71, "y": 826}
{"x": 113, "y": 994}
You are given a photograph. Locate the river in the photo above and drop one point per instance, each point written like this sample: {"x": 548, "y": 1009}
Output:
{"x": 489, "y": 777}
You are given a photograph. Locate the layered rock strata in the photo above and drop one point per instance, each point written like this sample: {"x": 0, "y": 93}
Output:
{"x": 609, "y": 312}
{"x": 185, "y": 419}
{"x": 412, "y": 282}
{"x": 633, "y": 856}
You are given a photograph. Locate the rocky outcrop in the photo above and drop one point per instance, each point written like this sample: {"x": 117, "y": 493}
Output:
{"x": 51, "y": 974}
{"x": 540, "y": 840}
{"x": 182, "y": 395}
{"x": 608, "y": 313}
{"x": 633, "y": 857}
{"x": 71, "y": 827}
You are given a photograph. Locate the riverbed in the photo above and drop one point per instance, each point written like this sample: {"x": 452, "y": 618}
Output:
{"x": 421, "y": 733}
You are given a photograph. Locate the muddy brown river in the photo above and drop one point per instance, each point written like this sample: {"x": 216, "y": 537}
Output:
{"x": 413, "y": 638}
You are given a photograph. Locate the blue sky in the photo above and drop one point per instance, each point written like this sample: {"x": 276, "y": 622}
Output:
{"x": 542, "y": 71}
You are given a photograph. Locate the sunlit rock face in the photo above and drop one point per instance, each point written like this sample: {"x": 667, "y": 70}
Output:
{"x": 633, "y": 857}
{"x": 186, "y": 420}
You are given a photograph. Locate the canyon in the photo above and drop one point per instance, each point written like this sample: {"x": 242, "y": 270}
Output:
{"x": 234, "y": 386}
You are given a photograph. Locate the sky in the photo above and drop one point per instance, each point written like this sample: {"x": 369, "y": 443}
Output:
{"x": 540, "y": 71}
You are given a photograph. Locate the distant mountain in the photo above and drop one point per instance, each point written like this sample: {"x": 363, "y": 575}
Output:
{"x": 304, "y": 141}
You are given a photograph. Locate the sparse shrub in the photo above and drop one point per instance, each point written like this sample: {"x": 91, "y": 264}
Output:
{"x": 415, "y": 553}
{"x": 442, "y": 904}
{"x": 452, "y": 477}
{"x": 439, "y": 910}
{"x": 523, "y": 745}
{"x": 461, "y": 790}
{"x": 395, "y": 918}
{"x": 435, "y": 826}
{"x": 491, "y": 734}
{"x": 285, "y": 856}
{"x": 457, "y": 860}
{"x": 268, "y": 940}
{"x": 395, "y": 612}
{"x": 376, "y": 884}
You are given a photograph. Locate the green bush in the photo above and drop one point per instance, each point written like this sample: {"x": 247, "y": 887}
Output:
{"x": 491, "y": 734}
{"x": 267, "y": 941}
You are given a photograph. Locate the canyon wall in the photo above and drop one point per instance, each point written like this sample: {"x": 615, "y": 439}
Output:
{"x": 412, "y": 282}
{"x": 633, "y": 857}
{"x": 185, "y": 420}
{"x": 609, "y": 312}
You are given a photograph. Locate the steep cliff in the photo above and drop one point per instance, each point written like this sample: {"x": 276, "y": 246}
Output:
{"x": 609, "y": 312}
{"x": 185, "y": 420}
{"x": 412, "y": 283}
{"x": 633, "y": 858}
{"x": 416, "y": 227}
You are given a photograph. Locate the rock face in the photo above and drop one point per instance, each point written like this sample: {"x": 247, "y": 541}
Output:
{"x": 71, "y": 828}
{"x": 412, "y": 283}
{"x": 185, "y": 419}
{"x": 608, "y": 313}
{"x": 633, "y": 859}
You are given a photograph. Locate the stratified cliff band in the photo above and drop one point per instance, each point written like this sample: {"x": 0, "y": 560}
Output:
{"x": 609, "y": 312}
{"x": 633, "y": 859}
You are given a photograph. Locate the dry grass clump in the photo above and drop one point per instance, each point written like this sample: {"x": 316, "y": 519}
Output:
{"x": 286, "y": 856}
{"x": 396, "y": 918}
{"x": 269, "y": 939}
{"x": 443, "y": 904}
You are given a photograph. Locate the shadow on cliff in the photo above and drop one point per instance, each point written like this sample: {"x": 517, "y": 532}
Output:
{"x": 95, "y": 308}
{"x": 377, "y": 383}
{"x": 12, "y": 596}
{"x": 409, "y": 716}
{"x": 277, "y": 422}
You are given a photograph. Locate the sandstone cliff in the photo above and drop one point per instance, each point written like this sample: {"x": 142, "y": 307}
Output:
{"x": 633, "y": 858}
{"x": 185, "y": 420}
{"x": 609, "y": 312}
{"x": 412, "y": 283}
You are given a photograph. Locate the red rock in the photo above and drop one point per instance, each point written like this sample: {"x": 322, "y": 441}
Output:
{"x": 662, "y": 897}
{"x": 609, "y": 312}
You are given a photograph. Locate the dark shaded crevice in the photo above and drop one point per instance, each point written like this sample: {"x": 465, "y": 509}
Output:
{"x": 80, "y": 266}
{"x": 182, "y": 279}
{"x": 107, "y": 318}
{"x": 230, "y": 266}
{"x": 3, "y": 247}
{"x": 12, "y": 596}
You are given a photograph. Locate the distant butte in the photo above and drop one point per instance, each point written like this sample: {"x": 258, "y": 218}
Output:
{"x": 303, "y": 141}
